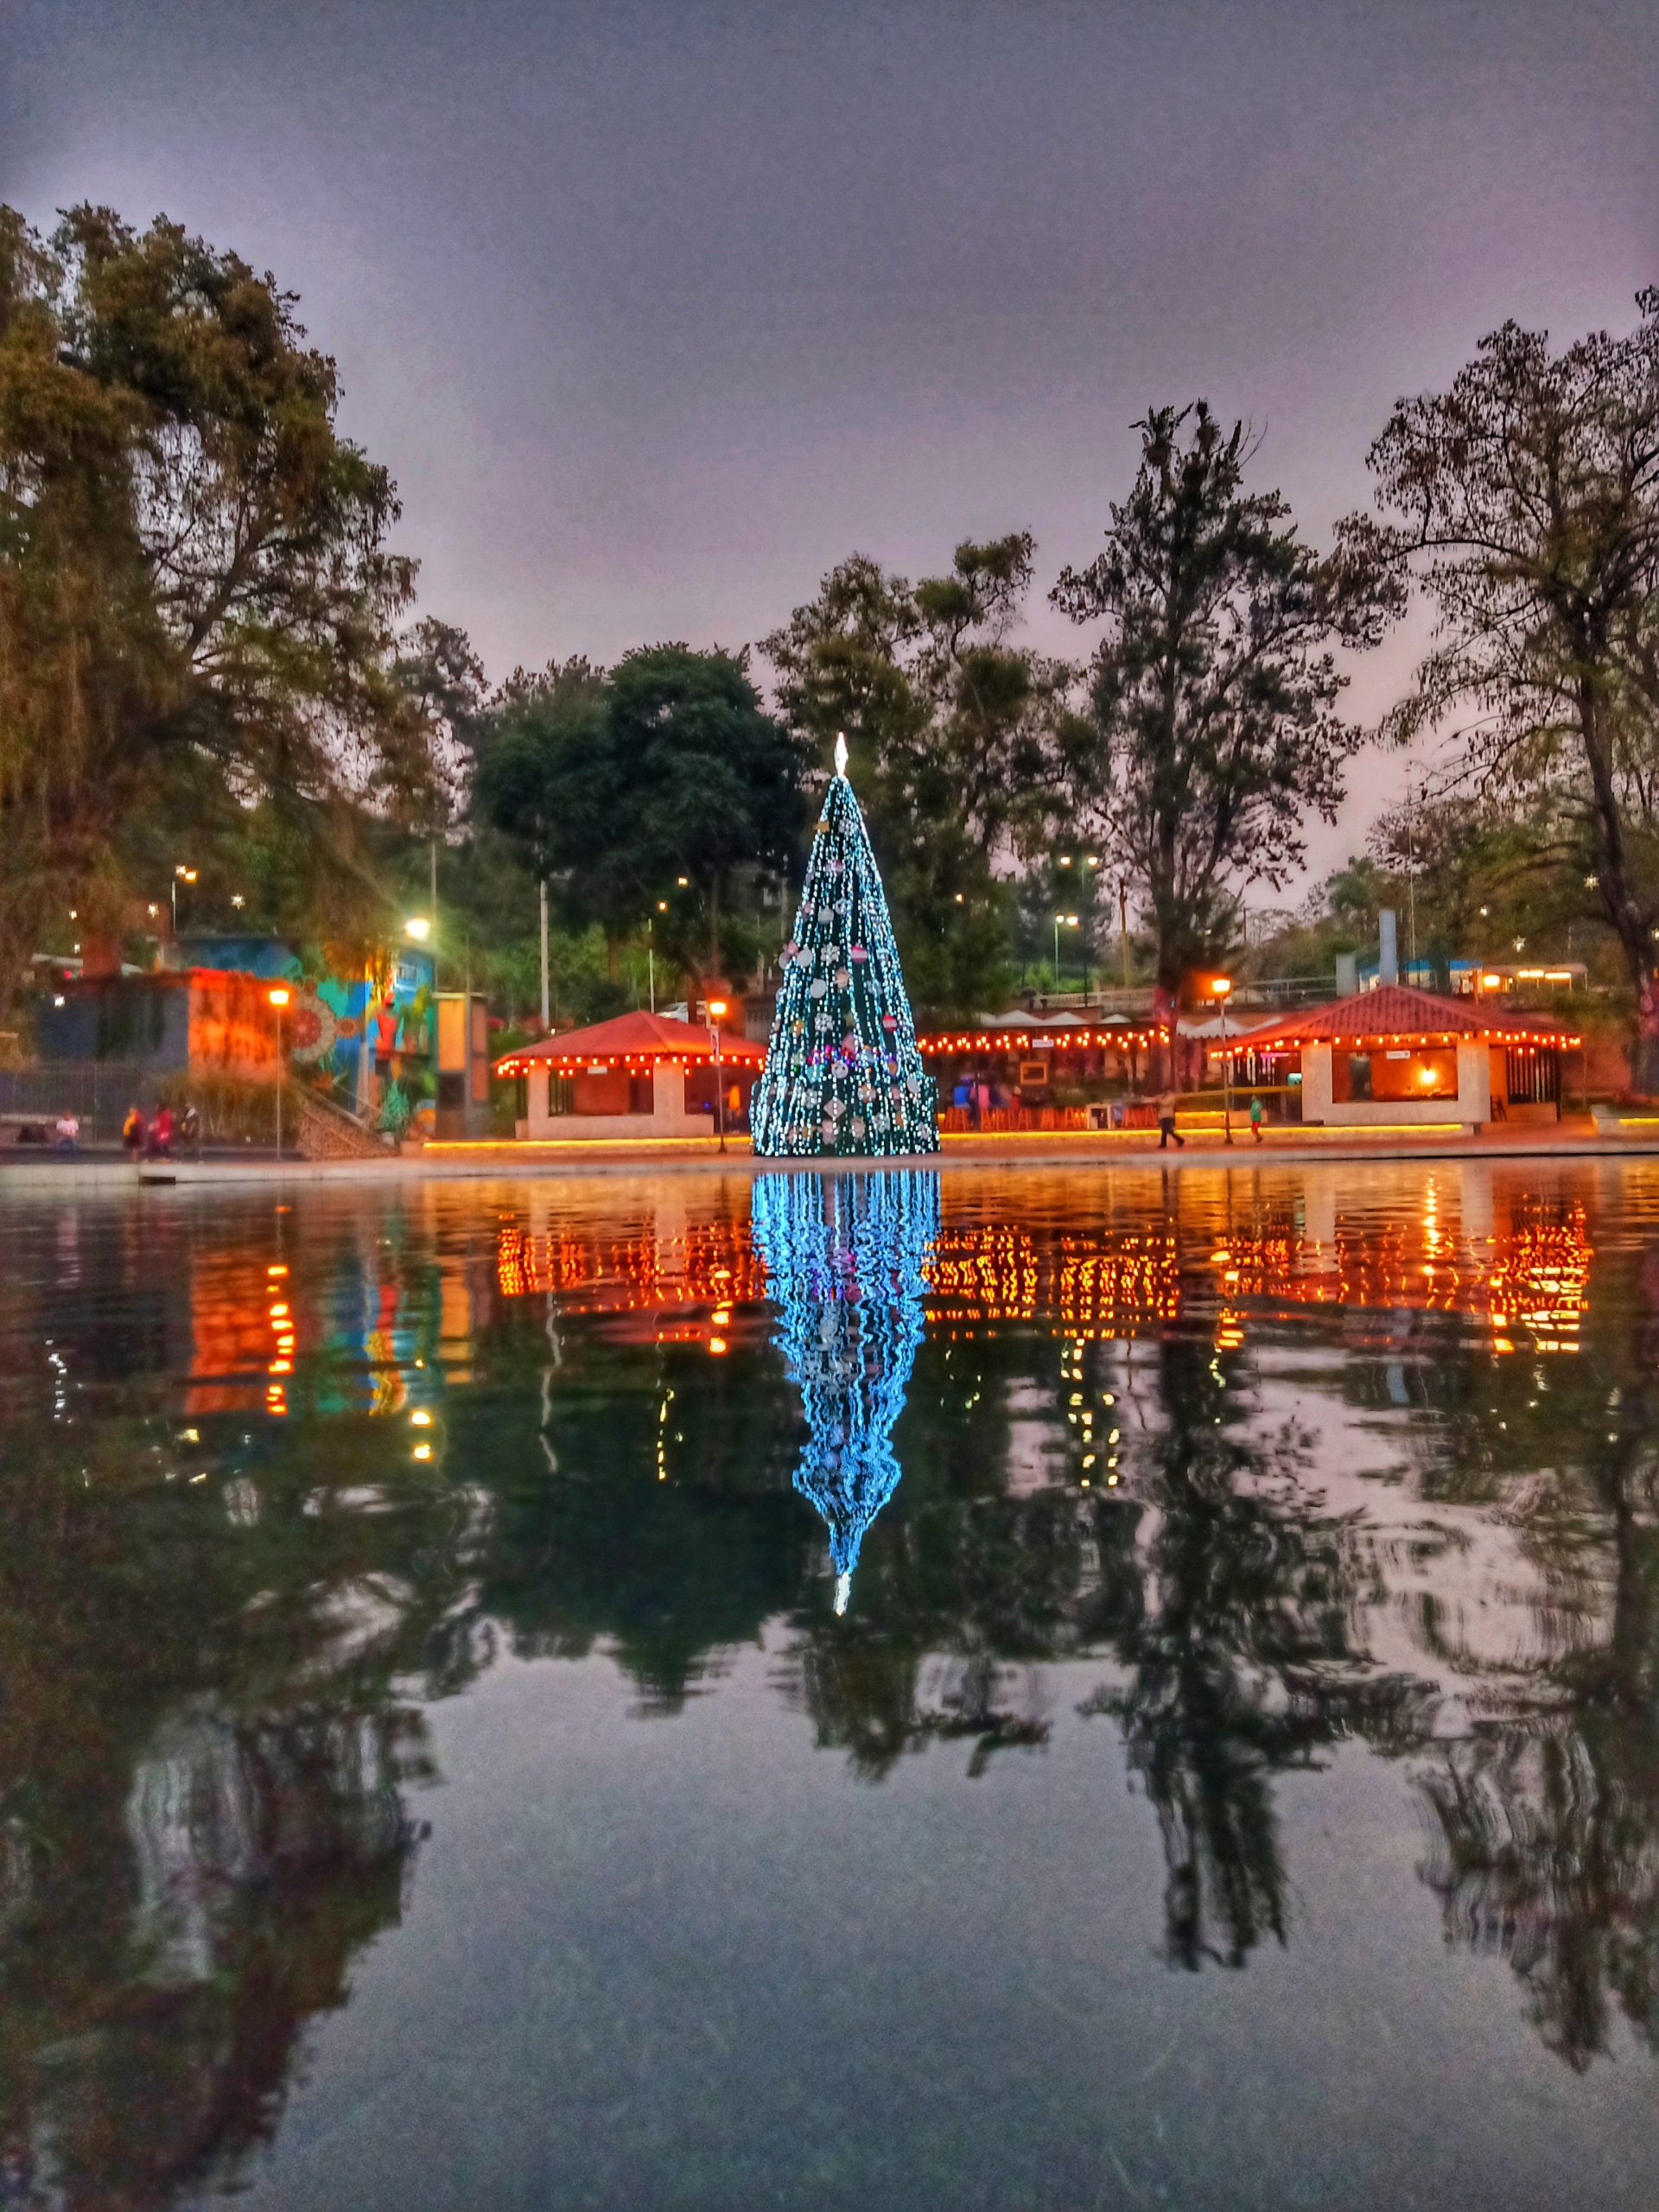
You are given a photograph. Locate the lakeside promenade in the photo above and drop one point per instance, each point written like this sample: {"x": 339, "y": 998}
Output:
{"x": 1577, "y": 1137}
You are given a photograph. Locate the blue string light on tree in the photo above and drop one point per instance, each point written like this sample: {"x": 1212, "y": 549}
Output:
{"x": 843, "y": 1073}
{"x": 844, "y": 1257}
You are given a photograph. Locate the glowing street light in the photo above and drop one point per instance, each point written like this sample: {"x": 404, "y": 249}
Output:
{"x": 1220, "y": 989}
{"x": 418, "y": 928}
{"x": 1061, "y": 921}
{"x": 180, "y": 875}
{"x": 715, "y": 1009}
{"x": 279, "y": 994}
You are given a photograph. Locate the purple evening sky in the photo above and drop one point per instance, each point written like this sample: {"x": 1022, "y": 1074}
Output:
{"x": 658, "y": 308}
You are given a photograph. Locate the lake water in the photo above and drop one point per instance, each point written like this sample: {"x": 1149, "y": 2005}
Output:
{"x": 959, "y": 1692}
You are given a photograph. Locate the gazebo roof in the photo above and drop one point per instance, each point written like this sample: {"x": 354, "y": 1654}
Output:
{"x": 1395, "y": 1011}
{"x": 634, "y": 1040}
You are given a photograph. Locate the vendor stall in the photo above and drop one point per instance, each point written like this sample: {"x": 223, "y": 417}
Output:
{"x": 1023, "y": 1070}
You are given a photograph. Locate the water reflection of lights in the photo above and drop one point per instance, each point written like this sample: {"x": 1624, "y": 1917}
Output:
{"x": 1529, "y": 1276}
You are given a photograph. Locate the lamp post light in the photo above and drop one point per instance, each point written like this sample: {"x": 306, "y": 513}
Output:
{"x": 278, "y": 995}
{"x": 1067, "y": 921}
{"x": 418, "y": 929}
{"x": 180, "y": 875}
{"x": 1220, "y": 986}
{"x": 651, "y": 951}
{"x": 716, "y": 1010}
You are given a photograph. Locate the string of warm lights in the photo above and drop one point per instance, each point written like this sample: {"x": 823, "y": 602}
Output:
{"x": 544, "y": 1063}
{"x": 1542, "y": 1040}
{"x": 1109, "y": 1284}
{"x": 938, "y": 1043}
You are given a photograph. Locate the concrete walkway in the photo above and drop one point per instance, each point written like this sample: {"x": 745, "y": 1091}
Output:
{"x": 1575, "y": 1138}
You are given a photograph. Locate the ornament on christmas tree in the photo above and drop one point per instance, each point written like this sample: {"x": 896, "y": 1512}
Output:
{"x": 843, "y": 993}
{"x": 844, "y": 1257}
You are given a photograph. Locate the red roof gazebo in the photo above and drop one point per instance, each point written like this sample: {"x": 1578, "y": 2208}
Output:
{"x": 638, "y": 1075}
{"x": 1400, "y": 1056}
{"x": 631, "y": 1041}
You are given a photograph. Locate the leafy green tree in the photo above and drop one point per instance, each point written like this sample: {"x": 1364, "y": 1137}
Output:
{"x": 1525, "y": 499}
{"x": 622, "y": 782}
{"x": 198, "y": 602}
{"x": 956, "y": 738}
{"x": 1214, "y": 728}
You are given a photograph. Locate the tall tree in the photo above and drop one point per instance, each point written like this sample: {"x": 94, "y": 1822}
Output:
{"x": 1214, "y": 728}
{"x": 198, "y": 604}
{"x": 1526, "y": 501}
{"x": 955, "y": 733}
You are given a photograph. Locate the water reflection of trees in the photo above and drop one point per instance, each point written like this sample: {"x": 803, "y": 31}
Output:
{"x": 1228, "y": 1649}
{"x": 1546, "y": 1838}
{"x": 206, "y": 1747}
{"x": 210, "y": 1720}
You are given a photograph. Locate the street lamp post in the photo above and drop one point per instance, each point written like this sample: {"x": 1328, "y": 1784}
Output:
{"x": 180, "y": 875}
{"x": 1220, "y": 986}
{"x": 279, "y": 996}
{"x": 1071, "y": 923}
{"x": 650, "y": 951}
{"x": 716, "y": 1009}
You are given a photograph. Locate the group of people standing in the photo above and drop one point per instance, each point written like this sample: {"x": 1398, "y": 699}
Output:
{"x": 153, "y": 1139}
{"x": 978, "y": 1096}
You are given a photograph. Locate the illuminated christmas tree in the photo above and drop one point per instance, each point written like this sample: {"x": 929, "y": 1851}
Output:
{"x": 843, "y": 1255}
{"x": 843, "y": 1073}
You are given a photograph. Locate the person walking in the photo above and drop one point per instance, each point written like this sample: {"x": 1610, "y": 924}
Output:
{"x": 1166, "y": 1128}
{"x": 133, "y": 1133}
{"x": 190, "y": 1129}
{"x": 1258, "y": 1115}
{"x": 162, "y": 1132}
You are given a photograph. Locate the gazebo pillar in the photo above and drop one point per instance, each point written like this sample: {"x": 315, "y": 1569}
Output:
{"x": 1474, "y": 1079}
{"x": 1316, "y": 1083}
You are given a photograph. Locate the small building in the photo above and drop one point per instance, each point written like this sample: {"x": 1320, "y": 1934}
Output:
{"x": 1469, "y": 978}
{"x": 1397, "y": 1057}
{"x": 461, "y": 1105}
{"x": 638, "y": 1075}
{"x": 208, "y": 1020}
{"x": 1027, "y": 1057}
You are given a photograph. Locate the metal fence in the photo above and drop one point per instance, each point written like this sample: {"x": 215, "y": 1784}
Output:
{"x": 98, "y": 1092}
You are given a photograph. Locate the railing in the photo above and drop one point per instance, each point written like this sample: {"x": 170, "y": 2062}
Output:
{"x": 98, "y": 1092}
{"x": 328, "y": 1131}
{"x": 1137, "y": 999}
{"x": 1281, "y": 1104}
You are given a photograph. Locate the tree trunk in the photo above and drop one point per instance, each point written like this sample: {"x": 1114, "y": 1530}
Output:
{"x": 1635, "y": 933}
{"x": 1644, "y": 1055}
{"x": 714, "y": 927}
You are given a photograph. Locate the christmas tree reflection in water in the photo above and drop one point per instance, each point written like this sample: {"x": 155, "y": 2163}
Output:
{"x": 843, "y": 1255}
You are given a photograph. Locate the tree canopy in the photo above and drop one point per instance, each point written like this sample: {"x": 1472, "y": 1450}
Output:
{"x": 198, "y": 605}
{"x": 1214, "y": 730}
{"x": 1525, "y": 499}
{"x": 623, "y": 783}
{"x": 955, "y": 733}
